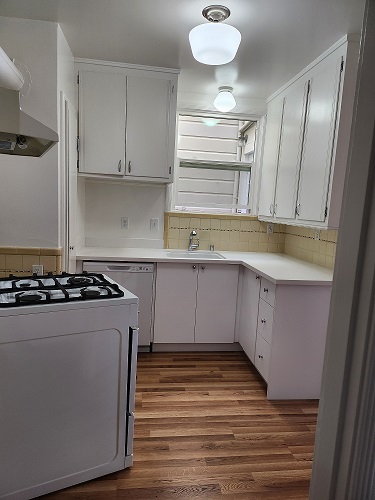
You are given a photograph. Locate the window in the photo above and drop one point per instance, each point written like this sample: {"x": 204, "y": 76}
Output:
{"x": 214, "y": 164}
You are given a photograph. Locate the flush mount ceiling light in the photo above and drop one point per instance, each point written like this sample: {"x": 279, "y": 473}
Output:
{"x": 214, "y": 43}
{"x": 224, "y": 101}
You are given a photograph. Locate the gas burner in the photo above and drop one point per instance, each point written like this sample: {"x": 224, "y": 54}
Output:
{"x": 29, "y": 297}
{"x": 79, "y": 280}
{"x": 91, "y": 293}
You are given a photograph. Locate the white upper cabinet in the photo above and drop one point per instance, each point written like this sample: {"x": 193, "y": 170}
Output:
{"x": 102, "y": 111}
{"x": 270, "y": 157}
{"x": 305, "y": 166}
{"x": 127, "y": 121}
{"x": 290, "y": 151}
{"x": 320, "y": 129}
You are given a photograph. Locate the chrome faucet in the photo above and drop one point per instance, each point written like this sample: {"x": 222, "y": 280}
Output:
{"x": 193, "y": 246}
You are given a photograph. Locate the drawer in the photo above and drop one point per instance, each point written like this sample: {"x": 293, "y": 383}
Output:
{"x": 262, "y": 356}
{"x": 265, "y": 320}
{"x": 267, "y": 291}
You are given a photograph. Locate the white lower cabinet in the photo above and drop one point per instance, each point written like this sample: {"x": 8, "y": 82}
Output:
{"x": 195, "y": 303}
{"x": 288, "y": 345}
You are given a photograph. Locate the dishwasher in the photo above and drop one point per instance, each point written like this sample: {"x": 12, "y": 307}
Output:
{"x": 138, "y": 278}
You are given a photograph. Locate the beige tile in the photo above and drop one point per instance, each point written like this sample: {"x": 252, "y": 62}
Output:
{"x": 263, "y": 247}
{"x": 234, "y": 236}
{"x": 204, "y": 244}
{"x": 205, "y": 223}
{"x": 36, "y": 251}
{"x": 235, "y": 224}
{"x": 58, "y": 264}
{"x": 184, "y": 222}
{"x": 310, "y": 244}
{"x": 255, "y": 225}
{"x": 282, "y": 237}
{"x": 224, "y": 235}
{"x": 263, "y": 238}
{"x": 280, "y": 248}
{"x": 3, "y": 274}
{"x": 13, "y": 262}
{"x": 204, "y": 235}
{"x": 322, "y": 259}
{"x": 272, "y": 247}
{"x": 245, "y": 225}
{"x": 214, "y": 235}
{"x": 225, "y": 224}
{"x": 316, "y": 258}
{"x": 254, "y": 237}
{"x": 184, "y": 234}
{"x": 224, "y": 245}
{"x": 215, "y": 223}
{"x": 254, "y": 247}
{"x": 182, "y": 245}
{"x": 172, "y": 243}
{"x": 263, "y": 227}
{"x": 273, "y": 238}
{"x": 174, "y": 222}
{"x": 244, "y": 236}
{"x": 49, "y": 263}
{"x": 173, "y": 233}
{"x": 330, "y": 249}
{"x": 323, "y": 247}
{"x": 329, "y": 262}
{"x": 28, "y": 261}
{"x": 2, "y": 262}
{"x": 243, "y": 246}
{"x": 195, "y": 223}
{"x": 234, "y": 246}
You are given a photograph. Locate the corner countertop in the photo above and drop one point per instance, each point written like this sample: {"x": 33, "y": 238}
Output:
{"x": 280, "y": 269}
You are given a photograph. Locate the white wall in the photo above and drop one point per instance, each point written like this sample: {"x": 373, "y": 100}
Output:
{"x": 106, "y": 203}
{"x": 29, "y": 186}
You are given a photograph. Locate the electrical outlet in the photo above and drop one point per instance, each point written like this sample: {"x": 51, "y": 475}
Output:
{"x": 317, "y": 234}
{"x": 270, "y": 228}
{"x": 154, "y": 224}
{"x": 37, "y": 269}
{"x": 124, "y": 222}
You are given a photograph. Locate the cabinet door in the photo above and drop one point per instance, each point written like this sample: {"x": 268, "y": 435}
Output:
{"x": 102, "y": 108}
{"x": 216, "y": 303}
{"x": 262, "y": 357}
{"x": 148, "y": 127}
{"x": 270, "y": 157}
{"x": 290, "y": 151}
{"x": 249, "y": 312}
{"x": 175, "y": 301}
{"x": 319, "y": 141}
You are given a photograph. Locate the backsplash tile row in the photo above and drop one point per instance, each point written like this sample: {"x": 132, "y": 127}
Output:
{"x": 304, "y": 244}
{"x": 245, "y": 233}
{"x": 225, "y": 232}
{"x": 19, "y": 260}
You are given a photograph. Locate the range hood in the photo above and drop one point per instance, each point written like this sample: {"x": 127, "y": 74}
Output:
{"x": 21, "y": 134}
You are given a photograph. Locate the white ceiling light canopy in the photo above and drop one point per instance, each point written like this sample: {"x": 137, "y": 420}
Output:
{"x": 224, "y": 101}
{"x": 214, "y": 43}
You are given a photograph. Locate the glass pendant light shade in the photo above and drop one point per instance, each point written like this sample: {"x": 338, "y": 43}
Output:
{"x": 224, "y": 100}
{"x": 214, "y": 43}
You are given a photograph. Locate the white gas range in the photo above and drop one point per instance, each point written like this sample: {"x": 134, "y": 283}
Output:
{"x": 68, "y": 351}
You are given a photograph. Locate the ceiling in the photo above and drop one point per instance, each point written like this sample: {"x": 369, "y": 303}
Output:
{"x": 279, "y": 38}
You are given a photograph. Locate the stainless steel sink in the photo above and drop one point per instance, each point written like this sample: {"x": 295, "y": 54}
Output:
{"x": 194, "y": 254}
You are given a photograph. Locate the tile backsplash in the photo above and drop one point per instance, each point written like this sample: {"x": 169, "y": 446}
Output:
{"x": 246, "y": 234}
{"x": 19, "y": 260}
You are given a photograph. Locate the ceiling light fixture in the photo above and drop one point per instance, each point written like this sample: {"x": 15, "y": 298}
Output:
{"x": 214, "y": 43}
{"x": 224, "y": 101}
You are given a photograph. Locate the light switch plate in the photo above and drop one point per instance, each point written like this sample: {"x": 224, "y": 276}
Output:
{"x": 154, "y": 224}
{"x": 270, "y": 228}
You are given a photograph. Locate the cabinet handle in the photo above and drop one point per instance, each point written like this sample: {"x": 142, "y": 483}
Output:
{"x": 262, "y": 320}
{"x": 265, "y": 290}
{"x": 119, "y": 166}
{"x": 203, "y": 267}
{"x": 194, "y": 267}
{"x": 129, "y": 166}
{"x": 260, "y": 356}
{"x": 71, "y": 247}
{"x": 274, "y": 209}
{"x": 257, "y": 277}
{"x": 271, "y": 209}
{"x": 298, "y": 207}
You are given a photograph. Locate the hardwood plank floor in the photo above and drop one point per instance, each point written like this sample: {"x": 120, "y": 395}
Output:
{"x": 204, "y": 429}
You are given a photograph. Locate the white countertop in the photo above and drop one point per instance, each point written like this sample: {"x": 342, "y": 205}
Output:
{"x": 278, "y": 268}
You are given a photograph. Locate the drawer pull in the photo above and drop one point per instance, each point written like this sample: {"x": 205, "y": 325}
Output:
{"x": 257, "y": 277}
{"x": 203, "y": 267}
{"x": 194, "y": 267}
{"x": 262, "y": 320}
{"x": 265, "y": 290}
{"x": 260, "y": 356}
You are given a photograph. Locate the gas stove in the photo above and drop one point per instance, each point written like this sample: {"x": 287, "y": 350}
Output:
{"x": 18, "y": 291}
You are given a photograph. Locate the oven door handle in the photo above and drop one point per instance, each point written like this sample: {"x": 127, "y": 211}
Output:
{"x": 132, "y": 368}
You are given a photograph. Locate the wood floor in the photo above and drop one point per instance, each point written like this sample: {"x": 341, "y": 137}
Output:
{"x": 205, "y": 430}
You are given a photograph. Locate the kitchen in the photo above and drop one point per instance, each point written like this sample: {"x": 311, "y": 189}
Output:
{"x": 19, "y": 229}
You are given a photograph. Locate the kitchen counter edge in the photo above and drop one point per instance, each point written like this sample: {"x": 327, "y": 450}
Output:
{"x": 280, "y": 269}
